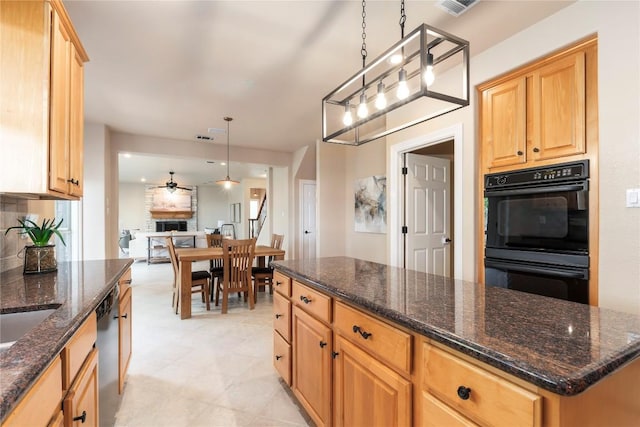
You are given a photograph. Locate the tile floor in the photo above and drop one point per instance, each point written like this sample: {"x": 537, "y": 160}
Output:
{"x": 210, "y": 370}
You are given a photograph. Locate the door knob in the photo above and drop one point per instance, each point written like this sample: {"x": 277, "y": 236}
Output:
{"x": 307, "y": 232}
{"x": 446, "y": 240}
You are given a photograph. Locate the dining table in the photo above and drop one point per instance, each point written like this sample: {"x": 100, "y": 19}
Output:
{"x": 187, "y": 255}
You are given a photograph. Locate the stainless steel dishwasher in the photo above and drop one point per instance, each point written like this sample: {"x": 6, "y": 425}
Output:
{"x": 107, "y": 343}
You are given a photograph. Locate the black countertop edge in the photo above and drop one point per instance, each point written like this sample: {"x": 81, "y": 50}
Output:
{"x": 559, "y": 385}
{"x": 12, "y": 393}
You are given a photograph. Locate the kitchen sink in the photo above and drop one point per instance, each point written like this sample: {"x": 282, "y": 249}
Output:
{"x": 14, "y": 325}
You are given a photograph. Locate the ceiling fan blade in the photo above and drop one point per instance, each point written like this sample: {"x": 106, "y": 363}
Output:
{"x": 184, "y": 188}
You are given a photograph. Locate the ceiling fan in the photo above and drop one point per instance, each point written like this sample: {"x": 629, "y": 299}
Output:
{"x": 171, "y": 186}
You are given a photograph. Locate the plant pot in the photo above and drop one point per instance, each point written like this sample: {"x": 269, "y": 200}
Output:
{"x": 40, "y": 259}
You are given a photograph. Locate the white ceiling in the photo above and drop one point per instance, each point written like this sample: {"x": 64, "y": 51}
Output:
{"x": 174, "y": 69}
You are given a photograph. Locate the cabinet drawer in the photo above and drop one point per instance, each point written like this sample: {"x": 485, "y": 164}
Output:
{"x": 491, "y": 399}
{"x": 76, "y": 350}
{"x": 282, "y": 357}
{"x": 125, "y": 282}
{"x": 312, "y": 302}
{"x": 82, "y": 399}
{"x": 282, "y": 283}
{"x": 382, "y": 340}
{"x": 282, "y": 316}
{"x": 41, "y": 402}
{"x": 437, "y": 414}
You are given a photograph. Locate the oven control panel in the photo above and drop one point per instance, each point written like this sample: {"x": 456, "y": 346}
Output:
{"x": 555, "y": 173}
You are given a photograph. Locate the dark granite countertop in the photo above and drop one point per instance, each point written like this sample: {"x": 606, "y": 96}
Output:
{"x": 75, "y": 290}
{"x": 561, "y": 346}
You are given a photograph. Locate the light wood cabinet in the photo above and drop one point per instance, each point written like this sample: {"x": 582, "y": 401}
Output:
{"x": 41, "y": 100}
{"x": 476, "y": 393}
{"x": 537, "y": 114}
{"x": 41, "y": 404}
{"x": 312, "y": 360}
{"x": 124, "y": 337}
{"x": 81, "y": 403}
{"x": 366, "y": 391}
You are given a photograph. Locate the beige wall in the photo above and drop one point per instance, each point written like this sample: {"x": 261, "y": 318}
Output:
{"x": 618, "y": 28}
{"x": 95, "y": 200}
{"x": 331, "y": 200}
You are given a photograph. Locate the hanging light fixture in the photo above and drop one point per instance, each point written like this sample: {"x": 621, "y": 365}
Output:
{"x": 401, "y": 80}
{"x": 227, "y": 182}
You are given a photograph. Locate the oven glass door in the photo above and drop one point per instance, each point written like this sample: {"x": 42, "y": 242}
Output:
{"x": 554, "y": 218}
{"x": 571, "y": 284}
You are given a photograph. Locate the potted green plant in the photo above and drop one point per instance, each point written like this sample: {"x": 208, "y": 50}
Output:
{"x": 39, "y": 257}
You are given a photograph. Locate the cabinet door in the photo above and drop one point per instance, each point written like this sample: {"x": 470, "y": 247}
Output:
{"x": 312, "y": 366}
{"x": 504, "y": 123}
{"x": 59, "y": 105}
{"x": 76, "y": 124}
{"x": 124, "y": 338}
{"x": 558, "y": 100}
{"x": 81, "y": 404}
{"x": 368, "y": 393}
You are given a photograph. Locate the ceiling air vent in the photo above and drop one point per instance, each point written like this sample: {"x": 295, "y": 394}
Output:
{"x": 456, "y": 7}
{"x": 204, "y": 137}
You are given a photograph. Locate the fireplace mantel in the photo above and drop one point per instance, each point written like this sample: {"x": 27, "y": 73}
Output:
{"x": 171, "y": 214}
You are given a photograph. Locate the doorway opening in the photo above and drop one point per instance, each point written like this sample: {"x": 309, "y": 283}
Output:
{"x": 446, "y": 142}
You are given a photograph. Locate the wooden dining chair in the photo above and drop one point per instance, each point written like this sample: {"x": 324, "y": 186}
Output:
{"x": 237, "y": 260}
{"x": 263, "y": 276}
{"x": 215, "y": 265}
{"x": 200, "y": 280}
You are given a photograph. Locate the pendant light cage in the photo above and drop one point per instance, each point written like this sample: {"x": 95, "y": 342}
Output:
{"x": 430, "y": 65}
{"x": 227, "y": 182}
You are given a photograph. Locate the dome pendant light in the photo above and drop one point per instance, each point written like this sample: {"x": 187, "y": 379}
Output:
{"x": 227, "y": 182}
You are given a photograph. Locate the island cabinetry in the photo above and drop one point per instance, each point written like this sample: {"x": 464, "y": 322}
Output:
{"x": 41, "y": 404}
{"x": 42, "y": 100}
{"x": 282, "y": 326}
{"x": 124, "y": 328}
{"x": 371, "y": 372}
{"x": 312, "y": 352}
{"x": 81, "y": 403}
{"x": 80, "y": 376}
{"x": 539, "y": 113}
{"x": 456, "y": 390}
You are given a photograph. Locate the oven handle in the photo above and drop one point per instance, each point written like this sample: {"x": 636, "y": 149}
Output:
{"x": 536, "y": 269}
{"x": 537, "y": 190}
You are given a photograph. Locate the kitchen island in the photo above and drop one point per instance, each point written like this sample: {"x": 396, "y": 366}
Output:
{"x": 565, "y": 363}
{"x": 73, "y": 292}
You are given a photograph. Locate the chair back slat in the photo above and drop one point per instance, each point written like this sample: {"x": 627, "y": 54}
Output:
{"x": 237, "y": 260}
{"x": 215, "y": 241}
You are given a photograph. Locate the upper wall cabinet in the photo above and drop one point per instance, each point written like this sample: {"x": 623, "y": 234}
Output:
{"x": 536, "y": 114}
{"x": 41, "y": 101}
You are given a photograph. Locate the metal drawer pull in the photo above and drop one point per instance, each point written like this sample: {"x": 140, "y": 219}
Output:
{"x": 278, "y": 283}
{"x": 82, "y": 418}
{"x": 124, "y": 316}
{"x": 323, "y": 344}
{"x": 334, "y": 354}
{"x": 464, "y": 392}
{"x": 362, "y": 333}
{"x": 278, "y": 316}
{"x": 278, "y": 357}
{"x": 305, "y": 299}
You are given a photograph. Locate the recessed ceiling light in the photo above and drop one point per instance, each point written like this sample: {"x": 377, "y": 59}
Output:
{"x": 223, "y": 163}
{"x": 143, "y": 179}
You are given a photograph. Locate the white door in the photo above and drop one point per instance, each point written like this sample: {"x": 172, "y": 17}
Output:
{"x": 308, "y": 220}
{"x": 428, "y": 214}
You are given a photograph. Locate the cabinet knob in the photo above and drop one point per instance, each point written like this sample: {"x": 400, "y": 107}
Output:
{"x": 357, "y": 329}
{"x": 536, "y": 150}
{"x": 334, "y": 354}
{"x": 82, "y": 418}
{"x": 278, "y": 283}
{"x": 464, "y": 392}
{"x": 278, "y": 316}
{"x": 520, "y": 153}
{"x": 323, "y": 344}
{"x": 278, "y": 357}
{"x": 305, "y": 299}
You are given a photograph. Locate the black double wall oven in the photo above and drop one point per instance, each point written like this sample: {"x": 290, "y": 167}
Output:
{"x": 537, "y": 230}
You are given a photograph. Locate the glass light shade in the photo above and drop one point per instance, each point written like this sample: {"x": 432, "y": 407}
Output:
{"x": 347, "y": 119}
{"x": 363, "y": 111}
{"x": 403, "y": 87}
{"x": 429, "y": 76}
